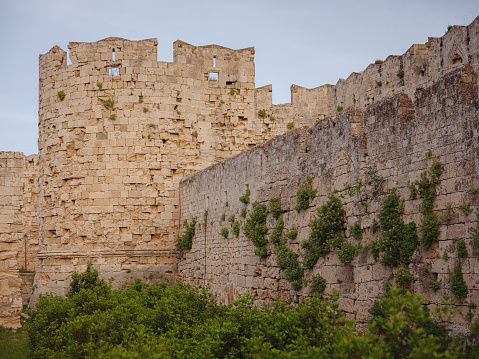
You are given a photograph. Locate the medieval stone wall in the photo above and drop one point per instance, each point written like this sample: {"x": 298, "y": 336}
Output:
{"x": 118, "y": 130}
{"x": 386, "y": 146}
{"x": 17, "y": 218}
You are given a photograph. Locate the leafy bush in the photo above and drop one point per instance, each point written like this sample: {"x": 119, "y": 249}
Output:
{"x": 290, "y": 125}
{"x": 61, "y": 95}
{"x": 328, "y": 223}
{"x": 397, "y": 241}
{"x": 458, "y": 285}
{"x": 255, "y": 228}
{"x": 339, "y": 108}
{"x": 304, "y": 195}
{"x": 461, "y": 248}
{"x": 356, "y": 231}
{"x": 159, "y": 321}
{"x": 244, "y": 212}
{"x": 224, "y": 232}
{"x": 403, "y": 278}
{"x": 318, "y": 284}
{"x": 235, "y": 228}
{"x": 292, "y": 234}
{"x": 108, "y": 104}
{"x": 427, "y": 189}
{"x": 262, "y": 113}
{"x": 245, "y": 198}
{"x": 185, "y": 241}
{"x": 275, "y": 207}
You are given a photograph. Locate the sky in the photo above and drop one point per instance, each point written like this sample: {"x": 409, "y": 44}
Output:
{"x": 303, "y": 42}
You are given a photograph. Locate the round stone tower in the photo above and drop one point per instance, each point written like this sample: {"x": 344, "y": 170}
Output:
{"x": 117, "y": 132}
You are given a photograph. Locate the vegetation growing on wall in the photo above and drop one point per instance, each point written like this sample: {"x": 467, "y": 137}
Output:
{"x": 304, "y": 195}
{"x": 245, "y": 198}
{"x": 255, "y": 228}
{"x": 397, "y": 241}
{"x": 427, "y": 185}
{"x": 185, "y": 241}
{"x": 458, "y": 285}
{"x": 326, "y": 231}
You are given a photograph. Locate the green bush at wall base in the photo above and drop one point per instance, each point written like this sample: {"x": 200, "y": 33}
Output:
{"x": 161, "y": 321}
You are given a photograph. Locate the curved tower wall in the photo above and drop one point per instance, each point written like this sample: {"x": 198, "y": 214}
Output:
{"x": 109, "y": 175}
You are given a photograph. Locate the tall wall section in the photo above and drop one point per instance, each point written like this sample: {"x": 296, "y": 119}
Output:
{"x": 419, "y": 67}
{"x": 117, "y": 132}
{"x": 386, "y": 145}
{"x": 18, "y": 192}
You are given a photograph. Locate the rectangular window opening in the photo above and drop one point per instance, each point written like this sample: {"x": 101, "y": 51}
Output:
{"x": 113, "y": 70}
{"x": 214, "y": 61}
{"x": 113, "y": 54}
{"x": 214, "y": 76}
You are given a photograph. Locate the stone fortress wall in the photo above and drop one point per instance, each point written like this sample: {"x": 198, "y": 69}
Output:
{"x": 385, "y": 145}
{"x": 112, "y": 151}
{"x": 18, "y": 216}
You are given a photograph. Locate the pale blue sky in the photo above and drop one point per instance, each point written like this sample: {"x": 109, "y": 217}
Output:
{"x": 308, "y": 43}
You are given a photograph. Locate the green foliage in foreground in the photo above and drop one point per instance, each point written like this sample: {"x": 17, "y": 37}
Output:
{"x": 13, "y": 344}
{"x": 157, "y": 321}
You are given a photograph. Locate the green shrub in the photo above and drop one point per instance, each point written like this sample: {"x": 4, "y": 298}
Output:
{"x": 185, "y": 241}
{"x": 275, "y": 207}
{"x": 397, "y": 241}
{"x": 108, "y": 104}
{"x": 304, "y": 195}
{"x": 161, "y": 321}
{"x": 328, "y": 223}
{"x": 231, "y": 218}
{"x": 400, "y": 74}
{"x": 275, "y": 237}
{"x": 356, "y": 231}
{"x": 255, "y": 228}
{"x": 318, "y": 284}
{"x": 262, "y": 113}
{"x": 461, "y": 248}
{"x": 244, "y": 212}
{"x": 245, "y": 198}
{"x": 339, "y": 108}
{"x": 458, "y": 285}
{"x": 378, "y": 62}
{"x": 223, "y": 217}
{"x": 292, "y": 234}
{"x": 403, "y": 278}
{"x": 290, "y": 125}
{"x": 435, "y": 285}
{"x": 224, "y": 232}
{"x": 61, "y": 95}
{"x": 344, "y": 250}
{"x": 235, "y": 228}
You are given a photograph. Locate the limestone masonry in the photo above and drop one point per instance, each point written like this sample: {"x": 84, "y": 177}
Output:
{"x": 119, "y": 131}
